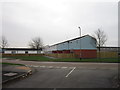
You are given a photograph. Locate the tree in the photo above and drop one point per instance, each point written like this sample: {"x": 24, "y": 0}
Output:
{"x": 36, "y": 43}
{"x": 4, "y": 42}
{"x": 101, "y": 38}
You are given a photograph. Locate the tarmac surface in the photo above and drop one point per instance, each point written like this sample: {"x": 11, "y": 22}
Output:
{"x": 67, "y": 75}
{"x": 11, "y": 72}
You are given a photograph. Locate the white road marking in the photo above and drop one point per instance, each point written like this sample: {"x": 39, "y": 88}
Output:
{"x": 43, "y": 66}
{"x": 64, "y": 67}
{"x": 49, "y": 66}
{"x": 36, "y": 66}
{"x": 57, "y": 67}
{"x": 32, "y": 65}
{"x": 29, "y": 65}
{"x": 70, "y": 72}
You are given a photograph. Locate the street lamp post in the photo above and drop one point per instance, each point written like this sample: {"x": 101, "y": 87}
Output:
{"x": 68, "y": 46}
{"x": 80, "y": 44}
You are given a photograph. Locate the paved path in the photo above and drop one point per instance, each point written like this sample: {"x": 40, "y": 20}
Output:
{"x": 67, "y": 75}
{"x": 12, "y": 72}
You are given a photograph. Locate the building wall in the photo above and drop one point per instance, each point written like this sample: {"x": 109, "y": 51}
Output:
{"x": 19, "y": 52}
{"x": 85, "y": 53}
{"x": 86, "y": 43}
{"x": 32, "y": 52}
{"x": 111, "y": 49}
{"x": 8, "y": 52}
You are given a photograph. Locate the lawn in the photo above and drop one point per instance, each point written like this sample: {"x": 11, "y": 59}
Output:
{"x": 43, "y": 58}
{"x": 31, "y": 58}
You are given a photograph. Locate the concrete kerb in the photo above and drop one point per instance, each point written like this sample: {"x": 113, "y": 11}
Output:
{"x": 25, "y": 74}
{"x": 116, "y": 81}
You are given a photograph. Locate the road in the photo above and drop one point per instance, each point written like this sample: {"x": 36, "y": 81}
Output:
{"x": 66, "y": 75}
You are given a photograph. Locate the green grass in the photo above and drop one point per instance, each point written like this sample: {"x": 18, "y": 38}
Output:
{"x": 42, "y": 58}
{"x": 91, "y": 60}
{"x": 31, "y": 58}
{"x": 11, "y": 64}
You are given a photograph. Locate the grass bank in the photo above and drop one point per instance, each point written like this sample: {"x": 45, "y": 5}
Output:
{"x": 43, "y": 58}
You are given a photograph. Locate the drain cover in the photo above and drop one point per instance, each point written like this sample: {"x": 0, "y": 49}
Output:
{"x": 10, "y": 74}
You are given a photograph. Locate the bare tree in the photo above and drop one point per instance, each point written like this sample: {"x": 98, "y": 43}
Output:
{"x": 101, "y": 38}
{"x": 4, "y": 42}
{"x": 36, "y": 43}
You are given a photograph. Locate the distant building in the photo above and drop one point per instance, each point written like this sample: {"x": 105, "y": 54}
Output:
{"x": 86, "y": 45}
{"x": 20, "y": 51}
{"x": 110, "y": 49}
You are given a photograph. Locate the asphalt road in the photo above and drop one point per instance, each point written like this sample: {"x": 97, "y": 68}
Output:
{"x": 67, "y": 75}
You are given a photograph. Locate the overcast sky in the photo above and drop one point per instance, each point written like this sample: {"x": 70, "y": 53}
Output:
{"x": 57, "y": 20}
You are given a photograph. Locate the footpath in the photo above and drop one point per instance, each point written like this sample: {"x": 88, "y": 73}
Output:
{"x": 13, "y": 72}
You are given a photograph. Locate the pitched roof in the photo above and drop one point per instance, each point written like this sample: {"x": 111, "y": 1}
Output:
{"x": 73, "y": 39}
{"x": 20, "y": 49}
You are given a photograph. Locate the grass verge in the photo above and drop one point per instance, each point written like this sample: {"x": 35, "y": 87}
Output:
{"x": 43, "y": 58}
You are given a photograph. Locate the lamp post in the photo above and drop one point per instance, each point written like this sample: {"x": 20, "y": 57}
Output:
{"x": 80, "y": 44}
{"x": 68, "y": 46}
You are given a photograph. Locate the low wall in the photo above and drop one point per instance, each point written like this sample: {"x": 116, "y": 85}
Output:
{"x": 107, "y": 54}
{"x": 70, "y": 55}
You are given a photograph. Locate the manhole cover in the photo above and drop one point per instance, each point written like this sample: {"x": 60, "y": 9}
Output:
{"x": 10, "y": 74}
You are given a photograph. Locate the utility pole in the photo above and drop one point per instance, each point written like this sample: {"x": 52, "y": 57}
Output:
{"x": 80, "y": 44}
